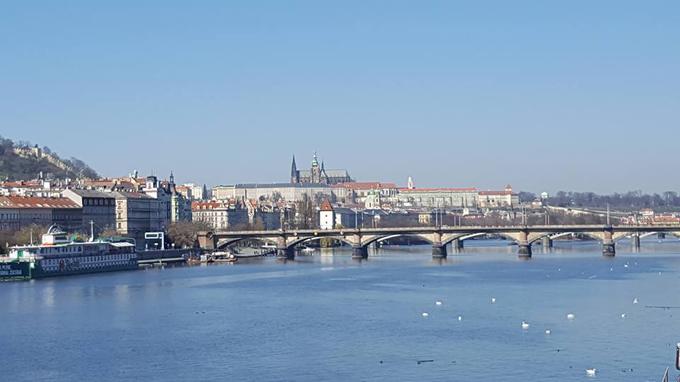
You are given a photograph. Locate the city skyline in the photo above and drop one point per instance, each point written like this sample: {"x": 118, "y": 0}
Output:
{"x": 546, "y": 97}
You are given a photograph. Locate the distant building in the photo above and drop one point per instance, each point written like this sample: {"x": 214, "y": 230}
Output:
{"x": 358, "y": 192}
{"x": 348, "y": 218}
{"x": 219, "y": 215}
{"x": 194, "y": 191}
{"x": 498, "y": 199}
{"x": 138, "y": 213}
{"x": 17, "y": 212}
{"x": 186, "y": 191}
{"x": 326, "y": 216}
{"x": 438, "y": 197}
{"x": 98, "y": 207}
{"x": 180, "y": 208}
{"x": 285, "y": 191}
{"x": 317, "y": 174}
{"x": 339, "y": 217}
{"x": 21, "y": 188}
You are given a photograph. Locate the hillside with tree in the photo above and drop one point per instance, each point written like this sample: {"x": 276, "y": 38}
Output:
{"x": 25, "y": 161}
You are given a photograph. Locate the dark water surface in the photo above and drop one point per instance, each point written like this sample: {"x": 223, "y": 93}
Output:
{"x": 326, "y": 317}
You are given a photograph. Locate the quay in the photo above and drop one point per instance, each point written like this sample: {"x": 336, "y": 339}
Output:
{"x": 164, "y": 256}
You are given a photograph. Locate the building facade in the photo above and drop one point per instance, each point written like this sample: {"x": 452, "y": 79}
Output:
{"x": 498, "y": 199}
{"x": 368, "y": 193}
{"x": 438, "y": 197}
{"x": 98, "y": 207}
{"x": 137, "y": 214}
{"x": 285, "y": 191}
{"x": 326, "y": 216}
{"x": 219, "y": 215}
{"x": 17, "y": 212}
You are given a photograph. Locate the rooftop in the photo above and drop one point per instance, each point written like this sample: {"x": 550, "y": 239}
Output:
{"x": 365, "y": 185}
{"x": 406, "y": 190}
{"x": 279, "y": 185}
{"x": 36, "y": 202}
{"x": 92, "y": 194}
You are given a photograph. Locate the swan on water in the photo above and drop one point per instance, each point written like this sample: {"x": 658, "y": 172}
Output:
{"x": 591, "y": 372}
{"x": 460, "y": 318}
{"x": 570, "y": 316}
{"x": 525, "y": 325}
{"x": 548, "y": 331}
{"x": 426, "y": 314}
{"x": 623, "y": 315}
{"x": 493, "y": 300}
{"x": 438, "y": 303}
{"x": 635, "y": 300}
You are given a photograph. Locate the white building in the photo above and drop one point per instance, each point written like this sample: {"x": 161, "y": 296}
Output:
{"x": 326, "y": 216}
{"x": 438, "y": 197}
{"x": 218, "y": 215}
{"x": 287, "y": 191}
{"x": 498, "y": 199}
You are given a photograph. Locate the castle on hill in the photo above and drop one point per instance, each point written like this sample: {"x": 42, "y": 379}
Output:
{"x": 318, "y": 174}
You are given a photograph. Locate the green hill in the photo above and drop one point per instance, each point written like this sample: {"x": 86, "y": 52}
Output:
{"x": 24, "y": 161}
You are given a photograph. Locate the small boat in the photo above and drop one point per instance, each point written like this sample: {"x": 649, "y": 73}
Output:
{"x": 194, "y": 261}
{"x": 222, "y": 257}
{"x": 226, "y": 260}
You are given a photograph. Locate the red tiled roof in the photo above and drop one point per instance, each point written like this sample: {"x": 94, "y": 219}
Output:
{"x": 365, "y": 185}
{"x": 206, "y": 205}
{"x": 21, "y": 184}
{"x": 36, "y": 202}
{"x": 326, "y": 206}
{"x": 471, "y": 189}
{"x": 495, "y": 192}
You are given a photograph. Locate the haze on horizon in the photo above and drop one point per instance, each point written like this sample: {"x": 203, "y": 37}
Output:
{"x": 580, "y": 95}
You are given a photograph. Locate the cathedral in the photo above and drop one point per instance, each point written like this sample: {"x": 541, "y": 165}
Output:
{"x": 318, "y": 174}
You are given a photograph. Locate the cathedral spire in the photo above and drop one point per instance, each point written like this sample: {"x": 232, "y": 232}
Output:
{"x": 294, "y": 174}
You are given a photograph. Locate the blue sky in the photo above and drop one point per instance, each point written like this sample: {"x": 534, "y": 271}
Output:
{"x": 545, "y": 95}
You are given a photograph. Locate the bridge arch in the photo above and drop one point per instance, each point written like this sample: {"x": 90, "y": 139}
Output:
{"x": 299, "y": 240}
{"x": 551, "y": 235}
{"x": 368, "y": 240}
{"x": 225, "y": 243}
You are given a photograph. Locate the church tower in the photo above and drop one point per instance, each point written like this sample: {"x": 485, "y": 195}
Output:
{"x": 294, "y": 173}
{"x": 323, "y": 176}
{"x": 409, "y": 184}
{"x": 315, "y": 170}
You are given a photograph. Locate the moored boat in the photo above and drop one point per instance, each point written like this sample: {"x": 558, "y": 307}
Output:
{"x": 59, "y": 256}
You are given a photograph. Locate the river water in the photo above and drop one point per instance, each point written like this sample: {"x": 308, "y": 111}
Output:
{"x": 326, "y": 317}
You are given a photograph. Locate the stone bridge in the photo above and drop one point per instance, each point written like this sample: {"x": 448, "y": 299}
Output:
{"x": 439, "y": 237}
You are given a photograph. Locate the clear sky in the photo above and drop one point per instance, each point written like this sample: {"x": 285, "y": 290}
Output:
{"x": 545, "y": 95}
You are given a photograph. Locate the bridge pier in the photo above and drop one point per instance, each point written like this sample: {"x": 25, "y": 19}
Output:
{"x": 285, "y": 253}
{"x": 457, "y": 245}
{"x": 608, "y": 244}
{"x": 360, "y": 252}
{"x": 524, "y": 250}
{"x": 661, "y": 235}
{"x": 635, "y": 240}
{"x": 523, "y": 245}
{"x": 439, "y": 251}
{"x": 547, "y": 243}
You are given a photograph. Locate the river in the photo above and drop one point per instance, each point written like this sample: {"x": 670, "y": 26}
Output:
{"x": 326, "y": 317}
